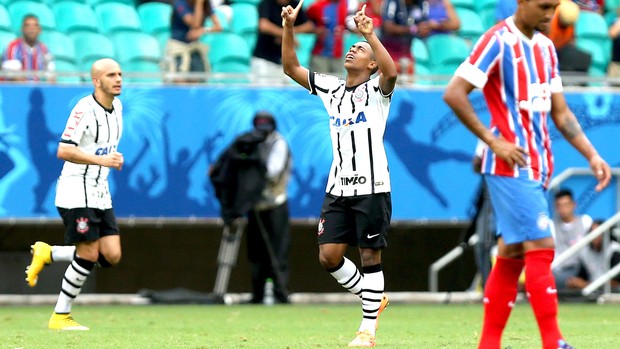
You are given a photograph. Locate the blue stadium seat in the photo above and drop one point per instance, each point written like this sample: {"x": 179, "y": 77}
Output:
{"x": 422, "y": 75}
{"x": 482, "y": 5}
{"x": 227, "y": 47}
{"x": 117, "y": 17}
{"x": 155, "y": 17}
{"x": 60, "y": 45}
{"x": 95, "y": 3}
{"x": 224, "y": 22}
{"x": 74, "y": 16}
{"x": 591, "y": 25}
{"x": 304, "y": 49}
{"x": 68, "y": 67}
{"x": 245, "y": 22}
{"x": 5, "y": 38}
{"x": 466, "y": 4}
{"x": 472, "y": 26}
{"x": 600, "y": 58}
{"x": 18, "y": 10}
{"x": 136, "y": 46}
{"x": 420, "y": 52}
{"x": 91, "y": 47}
{"x": 447, "y": 52}
{"x": 5, "y": 19}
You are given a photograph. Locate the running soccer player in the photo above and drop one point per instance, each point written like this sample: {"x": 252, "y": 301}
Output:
{"x": 357, "y": 207}
{"x": 517, "y": 68}
{"x": 88, "y": 146}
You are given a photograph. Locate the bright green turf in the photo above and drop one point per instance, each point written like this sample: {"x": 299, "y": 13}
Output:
{"x": 296, "y": 326}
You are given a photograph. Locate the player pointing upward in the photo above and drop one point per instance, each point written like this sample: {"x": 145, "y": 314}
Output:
{"x": 516, "y": 66}
{"x": 357, "y": 206}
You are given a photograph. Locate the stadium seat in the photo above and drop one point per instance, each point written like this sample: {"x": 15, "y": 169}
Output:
{"x": 253, "y": 2}
{"x": 60, "y": 45}
{"x": 18, "y": 10}
{"x": 304, "y": 49}
{"x": 91, "y": 47}
{"x": 227, "y": 47}
{"x": 5, "y": 19}
{"x": 134, "y": 68}
{"x": 95, "y": 3}
{"x": 74, "y": 16}
{"x": 482, "y": 5}
{"x": 117, "y": 17}
{"x": 600, "y": 58}
{"x": 591, "y": 25}
{"x": 136, "y": 46}
{"x": 155, "y": 17}
{"x": 420, "y": 52}
{"x": 422, "y": 75}
{"x": 488, "y": 17}
{"x": 466, "y": 4}
{"x": 472, "y": 26}
{"x": 447, "y": 52}
{"x": 223, "y": 17}
{"x": 63, "y": 66}
{"x": 5, "y": 38}
{"x": 245, "y": 22}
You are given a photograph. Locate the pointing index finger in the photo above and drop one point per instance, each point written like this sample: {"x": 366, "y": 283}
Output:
{"x": 299, "y": 5}
{"x": 363, "y": 9}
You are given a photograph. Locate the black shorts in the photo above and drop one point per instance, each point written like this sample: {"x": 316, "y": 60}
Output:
{"x": 361, "y": 221}
{"x": 87, "y": 224}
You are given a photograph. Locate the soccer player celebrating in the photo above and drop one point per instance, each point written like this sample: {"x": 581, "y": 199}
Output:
{"x": 88, "y": 146}
{"x": 516, "y": 66}
{"x": 357, "y": 207}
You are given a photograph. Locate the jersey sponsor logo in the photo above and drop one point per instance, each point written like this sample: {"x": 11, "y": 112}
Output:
{"x": 321, "y": 228}
{"x": 82, "y": 225}
{"x": 337, "y": 122}
{"x": 353, "y": 180}
{"x": 540, "y": 100}
{"x": 105, "y": 150}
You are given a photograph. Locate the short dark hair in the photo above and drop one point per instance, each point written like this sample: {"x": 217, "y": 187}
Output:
{"x": 29, "y": 16}
{"x": 264, "y": 121}
{"x": 564, "y": 192}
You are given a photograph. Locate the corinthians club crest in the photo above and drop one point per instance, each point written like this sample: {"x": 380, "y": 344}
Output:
{"x": 82, "y": 225}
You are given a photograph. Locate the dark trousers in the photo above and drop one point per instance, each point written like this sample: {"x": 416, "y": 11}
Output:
{"x": 274, "y": 224}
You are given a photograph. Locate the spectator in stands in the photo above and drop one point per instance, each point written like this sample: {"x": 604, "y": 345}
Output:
{"x": 597, "y": 6}
{"x": 402, "y": 21}
{"x": 568, "y": 229}
{"x": 442, "y": 17}
{"x": 267, "y": 60}
{"x": 329, "y": 18}
{"x": 27, "y": 53}
{"x": 505, "y": 9}
{"x": 594, "y": 261}
{"x": 562, "y": 33}
{"x": 184, "y": 51}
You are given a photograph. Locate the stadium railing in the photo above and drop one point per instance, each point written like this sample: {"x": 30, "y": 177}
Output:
{"x": 445, "y": 260}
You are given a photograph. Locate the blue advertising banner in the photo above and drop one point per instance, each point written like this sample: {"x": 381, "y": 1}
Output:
{"x": 172, "y": 134}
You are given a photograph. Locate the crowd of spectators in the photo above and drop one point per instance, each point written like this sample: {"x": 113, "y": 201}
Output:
{"x": 398, "y": 22}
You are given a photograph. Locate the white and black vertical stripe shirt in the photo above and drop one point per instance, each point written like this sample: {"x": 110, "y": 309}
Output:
{"x": 94, "y": 130}
{"x": 357, "y": 118}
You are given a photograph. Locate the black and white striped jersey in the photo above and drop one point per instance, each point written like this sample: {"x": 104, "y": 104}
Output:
{"x": 95, "y": 130}
{"x": 357, "y": 117}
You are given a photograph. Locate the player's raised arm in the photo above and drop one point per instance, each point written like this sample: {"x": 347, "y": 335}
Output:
{"x": 290, "y": 63}
{"x": 387, "y": 80}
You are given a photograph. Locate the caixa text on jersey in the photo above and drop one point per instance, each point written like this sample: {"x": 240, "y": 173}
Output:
{"x": 105, "y": 150}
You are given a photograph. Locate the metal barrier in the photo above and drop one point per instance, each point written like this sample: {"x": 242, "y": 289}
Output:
{"x": 433, "y": 278}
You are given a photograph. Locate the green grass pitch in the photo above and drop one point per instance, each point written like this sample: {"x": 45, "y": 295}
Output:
{"x": 295, "y": 326}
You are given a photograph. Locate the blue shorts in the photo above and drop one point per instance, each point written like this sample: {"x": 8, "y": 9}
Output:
{"x": 520, "y": 207}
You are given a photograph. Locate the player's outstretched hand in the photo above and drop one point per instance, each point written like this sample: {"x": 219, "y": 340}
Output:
{"x": 289, "y": 14}
{"x": 509, "y": 152}
{"x": 363, "y": 22}
{"x": 601, "y": 171}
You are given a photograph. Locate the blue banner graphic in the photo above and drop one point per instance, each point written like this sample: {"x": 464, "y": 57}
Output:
{"x": 172, "y": 134}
